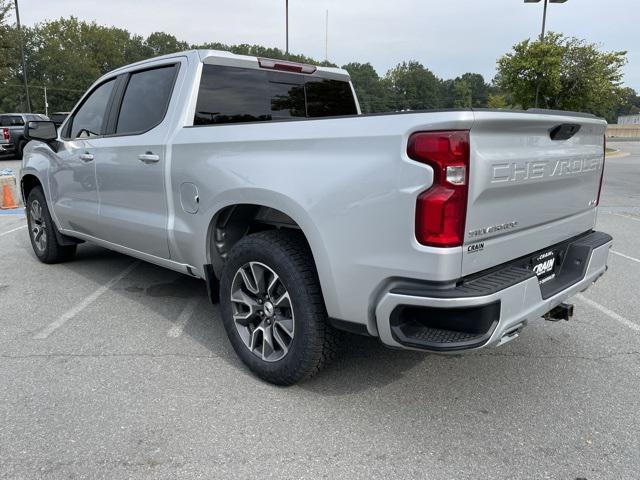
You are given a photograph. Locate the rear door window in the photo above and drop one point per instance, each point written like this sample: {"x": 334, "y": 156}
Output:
{"x": 145, "y": 100}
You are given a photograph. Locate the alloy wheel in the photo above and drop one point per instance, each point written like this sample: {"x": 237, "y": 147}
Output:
{"x": 37, "y": 226}
{"x": 262, "y": 311}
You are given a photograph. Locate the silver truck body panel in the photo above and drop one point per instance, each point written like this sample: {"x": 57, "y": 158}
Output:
{"x": 520, "y": 175}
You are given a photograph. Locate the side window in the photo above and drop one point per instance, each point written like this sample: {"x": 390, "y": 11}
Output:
{"x": 328, "y": 98}
{"x": 89, "y": 120}
{"x": 231, "y": 95}
{"x": 145, "y": 100}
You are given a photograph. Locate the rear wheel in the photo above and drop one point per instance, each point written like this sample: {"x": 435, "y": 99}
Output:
{"x": 42, "y": 231}
{"x": 272, "y": 307}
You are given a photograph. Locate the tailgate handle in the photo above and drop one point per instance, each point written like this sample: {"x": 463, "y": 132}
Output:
{"x": 564, "y": 131}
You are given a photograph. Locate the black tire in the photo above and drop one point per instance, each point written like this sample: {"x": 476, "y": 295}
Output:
{"x": 41, "y": 226}
{"x": 20, "y": 149}
{"x": 314, "y": 342}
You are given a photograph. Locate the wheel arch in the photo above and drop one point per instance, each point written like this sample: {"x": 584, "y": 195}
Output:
{"x": 28, "y": 182}
{"x": 234, "y": 220}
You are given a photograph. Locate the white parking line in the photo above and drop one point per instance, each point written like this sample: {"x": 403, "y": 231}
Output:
{"x": 184, "y": 317}
{"x": 69, "y": 314}
{"x": 13, "y": 230}
{"x": 610, "y": 313}
{"x": 626, "y": 216}
{"x": 625, "y": 256}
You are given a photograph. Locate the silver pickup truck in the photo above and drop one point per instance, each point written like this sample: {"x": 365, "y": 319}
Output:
{"x": 441, "y": 231}
{"x": 12, "y": 140}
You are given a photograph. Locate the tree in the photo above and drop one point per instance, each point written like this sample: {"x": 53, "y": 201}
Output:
{"x": 160, "y": 43}
{"x": 66, "y": 56}
{"x": 497, "y": 100}
{"x": 414, "y": 87}
{"x": 479, "y": 89}
{"x": 9, "y": 46}
{"x": 467, "y": 91}
{"x": 462, "y": 94}
{"x": 565, "y": 73}
{"x": 372, "y": 91}
{"x": 12, "y": 95}
{"x": 628, "y": 105}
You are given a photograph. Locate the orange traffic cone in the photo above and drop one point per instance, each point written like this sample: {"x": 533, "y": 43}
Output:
{"x": 7, "y": 198}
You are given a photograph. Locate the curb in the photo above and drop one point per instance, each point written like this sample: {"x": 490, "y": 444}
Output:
{"x": 617, "y": 154}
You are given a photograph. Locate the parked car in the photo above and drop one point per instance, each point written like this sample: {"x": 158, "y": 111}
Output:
{"x": 12, "y": 140}
{"x": 58, "y": 118}
{"x": 438, "y": 231}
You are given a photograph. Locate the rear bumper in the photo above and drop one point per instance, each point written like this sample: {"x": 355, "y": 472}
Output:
{"x": 487, "y": 309}
{"x": 6, "y": 148}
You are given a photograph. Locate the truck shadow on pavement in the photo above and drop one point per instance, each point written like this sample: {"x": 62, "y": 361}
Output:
{"x": 361, "y": 363}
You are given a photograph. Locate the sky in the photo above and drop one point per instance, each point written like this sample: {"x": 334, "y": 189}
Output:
{"x": 450, "y": 37}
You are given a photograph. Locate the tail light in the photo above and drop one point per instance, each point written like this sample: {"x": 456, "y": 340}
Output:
{"x": 5, "y": 133}
{"x": 604, "y": 156}
{"x": 286, "y": 66}
{"x": 441, "y": 210}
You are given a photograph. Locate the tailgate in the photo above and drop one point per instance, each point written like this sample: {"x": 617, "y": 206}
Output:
{"x": 534, "y": 181}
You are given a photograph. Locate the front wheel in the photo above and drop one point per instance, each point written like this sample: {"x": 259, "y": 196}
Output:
{"x": 20, "y": 149}
{"x": 272, "y": 307}
{"x": 42, "y": 231}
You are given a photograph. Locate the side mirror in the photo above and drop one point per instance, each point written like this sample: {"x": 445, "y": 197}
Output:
{"x": 42, "y": 130}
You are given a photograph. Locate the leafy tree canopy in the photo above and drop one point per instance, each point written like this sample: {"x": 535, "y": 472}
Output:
{"x": 414, "y": 87}
{"x": 6, "y": 37}
{"x": 565, "y": 73}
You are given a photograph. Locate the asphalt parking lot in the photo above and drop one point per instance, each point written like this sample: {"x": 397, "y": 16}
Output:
{"x": 114, "y": 368}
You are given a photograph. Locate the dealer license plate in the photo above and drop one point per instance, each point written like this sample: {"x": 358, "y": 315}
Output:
{"x": 544, "y": 266}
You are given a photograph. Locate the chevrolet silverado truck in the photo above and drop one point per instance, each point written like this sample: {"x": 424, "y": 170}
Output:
{"x": 440, "y": 231}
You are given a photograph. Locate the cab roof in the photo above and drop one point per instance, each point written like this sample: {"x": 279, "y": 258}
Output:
{"x": 222, "y": 57}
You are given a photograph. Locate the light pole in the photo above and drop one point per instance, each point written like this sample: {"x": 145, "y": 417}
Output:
{"x": 286, "y": 4}
{"x": 544, "y": 25}
{"x": 24, "y": 65}
{"x": 326, "y": 38}
{"x": 544, "y": 13}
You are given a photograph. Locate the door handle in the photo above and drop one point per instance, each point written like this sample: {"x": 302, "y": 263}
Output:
{"x": 86, "y": 157}
{"x": 149, "y": 157}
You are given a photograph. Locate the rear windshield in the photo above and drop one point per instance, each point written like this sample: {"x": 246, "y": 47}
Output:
{"x": 233, "y": 95}
{"x": 11, "y": 120}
